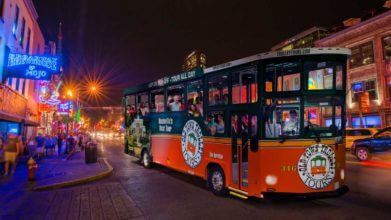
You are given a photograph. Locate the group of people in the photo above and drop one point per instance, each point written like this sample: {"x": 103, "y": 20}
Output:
{"x": 215, "y": 124}
{"x": 219, "y": 100}
{"x": 13, "y": 145}
{"x": 195, "y": 107}
{"x": 175, "y": 103}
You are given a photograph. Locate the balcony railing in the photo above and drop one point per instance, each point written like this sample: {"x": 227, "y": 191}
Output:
{"x": 12, "y": 103}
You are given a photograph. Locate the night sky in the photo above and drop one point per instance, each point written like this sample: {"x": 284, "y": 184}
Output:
{"x": 128, "y": 42}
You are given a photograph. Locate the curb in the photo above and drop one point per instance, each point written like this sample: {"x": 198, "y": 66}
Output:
{"x": 78, "y": 181}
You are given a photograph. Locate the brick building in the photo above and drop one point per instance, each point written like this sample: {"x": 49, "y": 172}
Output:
{"x": 369, "y": 69}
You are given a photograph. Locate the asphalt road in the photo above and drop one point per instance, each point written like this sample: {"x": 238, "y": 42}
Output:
{"x": 133, "y": 192}
{"x": 162, "y": 193}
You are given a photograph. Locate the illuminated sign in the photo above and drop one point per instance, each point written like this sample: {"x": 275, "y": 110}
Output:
{"x": 64, "y": 107}
{"x": 31, "y": 67}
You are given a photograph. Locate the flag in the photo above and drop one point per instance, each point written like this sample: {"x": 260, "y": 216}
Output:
{"x": 77, "y": 118}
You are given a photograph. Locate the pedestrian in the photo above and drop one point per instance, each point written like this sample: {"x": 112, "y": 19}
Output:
{"x": 70, "y": 144}
{"x": 40, "y": 141}
{"x": 53, "y": 143}
{"x": 32, "y": 148}
{"x": 48, "y": 144}
{"x": 59, "y": 143}
{"x": 80, "y": 141}
{"x": 12, "y": 149}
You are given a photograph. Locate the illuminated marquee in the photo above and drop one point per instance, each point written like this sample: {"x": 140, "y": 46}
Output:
{"x": 32, "y": 67}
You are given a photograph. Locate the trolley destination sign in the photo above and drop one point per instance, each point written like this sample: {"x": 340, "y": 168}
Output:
{"x": 180, "y": 77}
{"x": 176, "y": 78}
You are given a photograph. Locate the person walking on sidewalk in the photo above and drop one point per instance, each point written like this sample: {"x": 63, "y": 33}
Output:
{"x": 40, "y": 140}
{"x": 13, "y": 147}
{"x": 59, "y": 143}
{"x": 53, "y": 143}
{"x": 48, "y": 144}
{"x": 32, "y": 148}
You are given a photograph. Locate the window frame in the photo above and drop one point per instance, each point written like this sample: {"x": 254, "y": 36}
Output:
{"x": 255, "y": 71}
{"x": 360, "y": 48}
{"x": 275, "y": 85}
{"x": 228, "y": 85}
{"x": 184, "y": 96}
{"x": 153, "y": 92}
{"x": 384, "y": 48}
{"x": 187, "y": 85}
{"x": 16, "y": 21}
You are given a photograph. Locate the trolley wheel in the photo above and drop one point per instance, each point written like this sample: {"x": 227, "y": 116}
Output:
{"x": 363, "y": 154}
{"x": 146, "y": 159}
{"x": 216, "y": 181}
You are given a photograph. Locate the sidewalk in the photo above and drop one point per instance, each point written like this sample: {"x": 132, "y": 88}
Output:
{"x": 53, "y": 172}
{"x": 57, "y": 173}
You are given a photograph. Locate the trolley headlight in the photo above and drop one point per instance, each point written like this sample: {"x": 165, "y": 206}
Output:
{"x": 342, "y": 174}
{"x": 271, "y": 180}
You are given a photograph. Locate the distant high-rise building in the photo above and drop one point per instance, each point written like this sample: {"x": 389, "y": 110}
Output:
{"x": 193, "y": 60}
{"x": 302, "y": 40}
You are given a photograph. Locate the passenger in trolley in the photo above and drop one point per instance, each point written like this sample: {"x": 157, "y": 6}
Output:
{"x": 291, "y": 124}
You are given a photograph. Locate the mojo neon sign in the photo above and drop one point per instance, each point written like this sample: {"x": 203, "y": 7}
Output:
{"x": 32, "y": 67}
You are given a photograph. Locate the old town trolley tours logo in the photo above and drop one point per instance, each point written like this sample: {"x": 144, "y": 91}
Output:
{"x": 316, "y": 166}
{"x": 192, "y": 143}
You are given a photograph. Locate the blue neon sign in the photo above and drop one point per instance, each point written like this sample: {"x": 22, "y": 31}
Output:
{"x": 32, "y": 67}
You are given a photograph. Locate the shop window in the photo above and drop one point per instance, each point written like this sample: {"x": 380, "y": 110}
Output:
{"x": 387, "y": 47}
{"x": 372, "y": 121}
{"x": 366, "y": 88}
{"x": 175, "y": 100}
{"x": 362, "y": 55}
{"x": 244, "y": 86}
{"x": 215, "y": 123}
{"x": 282, "y": 77}
{"x": 357, "y": 88}
{"x": 195, "y": 99}
{"x": 218, "y": 90}
{"x": 142, "y": 104}
{"x": 282, "y": 117}
{"x": 157, "y": 101}
{"x": 370, "y": 87}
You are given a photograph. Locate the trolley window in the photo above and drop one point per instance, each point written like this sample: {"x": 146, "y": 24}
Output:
{"x": 218, "y": 90}
{"x": 244, "y": 86}
{"x": 195, "y": 99}
{"x": 282, "y": 77}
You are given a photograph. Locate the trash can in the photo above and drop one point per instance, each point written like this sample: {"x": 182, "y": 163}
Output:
{"x": 91, "y": 153}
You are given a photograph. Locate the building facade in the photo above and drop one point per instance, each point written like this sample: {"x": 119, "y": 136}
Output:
{"x": 304, "y": 39}
{"x": 193, "y": 60}
{"x": 19, "y": 33}
{"x": 369, "y": 70}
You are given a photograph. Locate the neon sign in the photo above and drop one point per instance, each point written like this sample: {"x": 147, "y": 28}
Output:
{"x": 32, "y": 67}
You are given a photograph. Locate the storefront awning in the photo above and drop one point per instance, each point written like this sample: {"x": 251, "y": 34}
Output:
{"x": 31, "y": 123}
{"x": 9, "y": 117}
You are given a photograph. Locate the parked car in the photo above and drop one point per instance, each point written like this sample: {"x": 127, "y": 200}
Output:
{"x": 353, "y": 134}
{"x": 379, "y": 142}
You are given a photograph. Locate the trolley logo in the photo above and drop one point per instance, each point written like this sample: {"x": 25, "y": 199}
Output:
{"x": 192, "y": 143}
{"x": 316, "y": 166}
